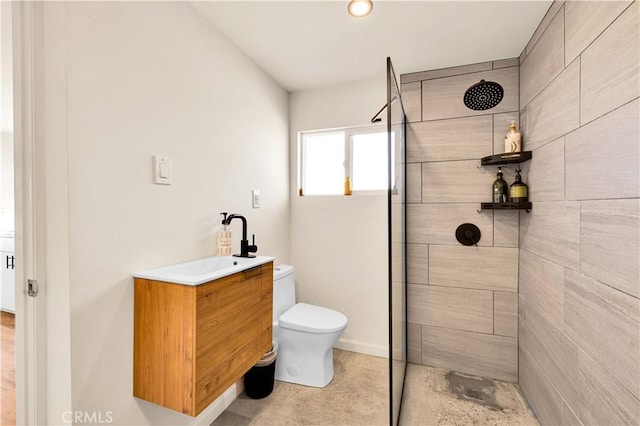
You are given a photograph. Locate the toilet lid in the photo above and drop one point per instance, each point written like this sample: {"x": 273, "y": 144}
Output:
{"x": 312, "y": 319}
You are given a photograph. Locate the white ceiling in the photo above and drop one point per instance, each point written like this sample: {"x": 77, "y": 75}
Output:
{"x": 309, "y": 44}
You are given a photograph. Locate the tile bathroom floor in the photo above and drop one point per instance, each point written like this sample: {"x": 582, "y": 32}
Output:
{"x": 358, "y": 395}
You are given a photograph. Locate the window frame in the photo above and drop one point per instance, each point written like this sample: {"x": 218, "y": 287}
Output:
{"x": 348, "y": 133}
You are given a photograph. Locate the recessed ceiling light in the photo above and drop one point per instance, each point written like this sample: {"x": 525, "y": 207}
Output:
{"x": 360, "y": 8}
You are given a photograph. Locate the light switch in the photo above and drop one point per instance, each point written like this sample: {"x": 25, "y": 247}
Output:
{"x": 255, "y": 198}
{"x": 161, "y": 170}
{"x": 164, "y": 170}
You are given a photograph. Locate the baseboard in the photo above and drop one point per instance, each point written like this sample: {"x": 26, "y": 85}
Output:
{"x": 363, "y": 347}
{"x": 217, "y": 407}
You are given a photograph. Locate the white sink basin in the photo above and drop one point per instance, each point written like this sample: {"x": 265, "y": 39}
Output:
{"x": 203, "y": 270}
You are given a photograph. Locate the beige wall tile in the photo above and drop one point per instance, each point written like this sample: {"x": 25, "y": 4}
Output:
{"x": 548, "y": 17}
{"x": 457, "y": 182}
{"x": 414, "y": 343}
{"x": 412, "y": 100}
{"x": 501, "y": 123}
{"x": 473, "y": 353}
{"x": 602, "y": 321}
{"x": 505, "y": 314}
{"x": 602, "y": 158}
{"x": 552, "y": 230}
{"x": 460, "y": 266}
{"x": 556, "y": 111}
{"x": 452, "y": 308}
{"x": 610, "y": 243}
{"x": 542, "y": 286}
{"x": 610, "y": 74}
{"x": 541, "y": 395}
{"x": 506, "y": 63}
{"x": 569, "y": 418}
{"x": 585, "y": 20}
{"x": 544, "y": 62}
{"x": 583, "y": 333}
{"x": 417, "y": 263}
{"x": 437, "y": 223}
{"x": 505, "y": 228}
{"x": 545, "y": 172}
{"x": 445, "y": 72}
{"x": 522, "y": 318}
{"x": 414, "y": 183}
{"x": 523, "y": 128}
{"x": 555, "y": 354}
{"x": 467, "y": 138}
{"x": 603, "y": 400}
{"x": 443, "y": 97}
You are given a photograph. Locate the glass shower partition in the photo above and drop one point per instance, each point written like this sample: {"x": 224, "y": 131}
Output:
{"x": 396, "y": 131}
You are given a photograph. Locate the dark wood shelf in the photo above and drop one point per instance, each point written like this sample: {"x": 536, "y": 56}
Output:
{"x": 506, "y": 158}
{"x": 506, "y": 206}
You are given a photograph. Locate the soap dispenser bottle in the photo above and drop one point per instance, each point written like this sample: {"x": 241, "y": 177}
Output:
{"x": 500, "y": 189}
{"x": 513, "y": 140}
{"x": 223, "y": 246}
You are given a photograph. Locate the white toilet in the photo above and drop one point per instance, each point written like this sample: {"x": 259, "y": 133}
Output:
{"x": 305, "y": 334}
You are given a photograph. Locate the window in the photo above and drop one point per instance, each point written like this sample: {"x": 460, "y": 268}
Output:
{"x": 323, "y": 163}
{"x": 328, "y": 157}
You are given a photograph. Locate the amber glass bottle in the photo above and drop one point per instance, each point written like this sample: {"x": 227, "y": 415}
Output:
{"x": 518, "y": 192}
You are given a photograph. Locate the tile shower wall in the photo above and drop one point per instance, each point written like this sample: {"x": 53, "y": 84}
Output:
{"x": 579, "y": 248}
{"x": 462, "y": 301}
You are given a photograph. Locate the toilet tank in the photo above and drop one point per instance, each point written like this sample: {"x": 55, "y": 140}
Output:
{"x": 284, "y": 290}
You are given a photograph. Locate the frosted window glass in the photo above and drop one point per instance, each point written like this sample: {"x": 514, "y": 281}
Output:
{"x": 324, "y": 164}
{"x": 369, "y": 157}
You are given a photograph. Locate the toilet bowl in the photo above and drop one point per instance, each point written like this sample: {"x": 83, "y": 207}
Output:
{"x": 305, "y": 334}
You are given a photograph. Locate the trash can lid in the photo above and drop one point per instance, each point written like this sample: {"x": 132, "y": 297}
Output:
{"x": 269, "y": 357}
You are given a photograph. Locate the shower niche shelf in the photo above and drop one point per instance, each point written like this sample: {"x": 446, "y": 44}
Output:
{"x": 506, "y": 158}
{"x": 506, "y": 206}
{"x": 497, "y": 160}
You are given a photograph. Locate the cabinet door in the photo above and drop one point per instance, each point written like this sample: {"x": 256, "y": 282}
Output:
{"x": 229, "y": 332}
{"x": 8, "y": 282}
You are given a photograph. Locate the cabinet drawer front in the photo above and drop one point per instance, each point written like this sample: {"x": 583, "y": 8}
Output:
{"x": 233, "y": 329}
{"x": 225, "y": 308}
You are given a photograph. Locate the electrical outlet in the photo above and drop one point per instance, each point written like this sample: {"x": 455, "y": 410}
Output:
{"x": 255, "y": 198}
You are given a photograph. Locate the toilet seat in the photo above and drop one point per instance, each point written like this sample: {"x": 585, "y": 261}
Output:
{"x": 312, "y": 319}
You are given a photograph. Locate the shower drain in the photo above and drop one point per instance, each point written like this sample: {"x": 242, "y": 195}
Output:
{"x": 473, "y": 389}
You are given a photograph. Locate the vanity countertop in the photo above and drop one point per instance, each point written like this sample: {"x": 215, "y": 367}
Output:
{"x": 203, "y": 270}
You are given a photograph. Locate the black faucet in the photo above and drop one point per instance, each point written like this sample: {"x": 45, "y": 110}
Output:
{"x": 245, "y": 248}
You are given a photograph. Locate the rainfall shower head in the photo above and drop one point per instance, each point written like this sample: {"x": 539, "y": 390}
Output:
{"x": 483, "y": 95}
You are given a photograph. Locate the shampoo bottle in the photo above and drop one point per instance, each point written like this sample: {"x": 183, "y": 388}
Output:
{"x": 500, "y": 189}
{"x": 223, "y": 246}
{"x": 518, "y": 192}
{"x": 513, "y": 139}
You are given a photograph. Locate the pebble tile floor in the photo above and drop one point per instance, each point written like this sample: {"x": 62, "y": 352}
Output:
{"x": 358, "y": 396}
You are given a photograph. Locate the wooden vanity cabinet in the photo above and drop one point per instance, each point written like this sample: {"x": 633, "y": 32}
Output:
{"x": 192, "y": 342}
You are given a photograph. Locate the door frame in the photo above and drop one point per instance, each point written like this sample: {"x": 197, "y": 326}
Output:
{"x": 30, "y": 378}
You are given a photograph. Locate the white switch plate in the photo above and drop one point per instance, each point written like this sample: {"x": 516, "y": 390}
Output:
{"x": 161, "y": 170}
{"x": 255, "y": 198}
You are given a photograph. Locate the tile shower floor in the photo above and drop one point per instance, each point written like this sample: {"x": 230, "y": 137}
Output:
{"x": 358, "y": 396}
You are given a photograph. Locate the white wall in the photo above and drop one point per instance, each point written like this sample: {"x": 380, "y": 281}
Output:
{"x": 143, "y": 79}
{"x": 339, "y": 244}
{"x": 6, "y": 120}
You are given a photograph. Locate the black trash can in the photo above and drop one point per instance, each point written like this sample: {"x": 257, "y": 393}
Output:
{"x": 258, "y": 382}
